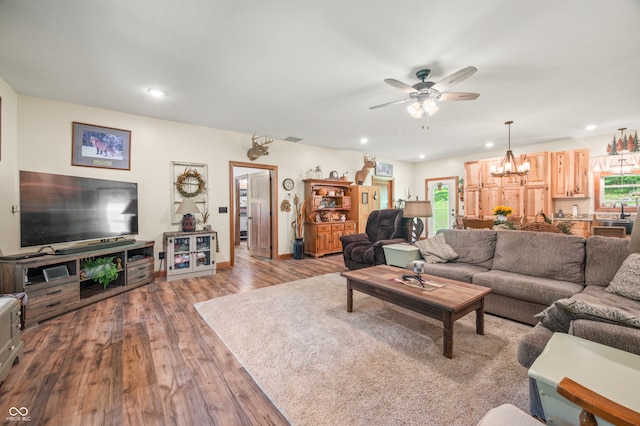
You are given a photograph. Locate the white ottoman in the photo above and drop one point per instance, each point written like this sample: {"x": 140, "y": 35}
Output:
{"x": 400, "y": 254}
{"x": 612, "y": 373}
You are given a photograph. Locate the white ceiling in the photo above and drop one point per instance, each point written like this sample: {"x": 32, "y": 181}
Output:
{"x": 312, "y": 69}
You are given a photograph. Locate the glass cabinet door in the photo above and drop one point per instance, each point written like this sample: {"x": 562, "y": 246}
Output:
{"x": 203, "y": 251}
{"x": 181, "y": 255}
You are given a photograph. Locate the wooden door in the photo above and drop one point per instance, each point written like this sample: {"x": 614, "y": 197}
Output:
{"x": 472, "y": 203}
{"x": 487, "y": 180}
{"x": 580, "y": 172}
{"x": 259, "y": 193}
{"x": 472, "y": 175}
{"x": 539, "y": 168}
{"x": 513, "y": 196}
{"x": 560, "y": 174}
{"x": 385, "y": 188}
{"x": 489, "y": 198}
{"x": 536, "y": 200}
{"x": 364, "y": 200}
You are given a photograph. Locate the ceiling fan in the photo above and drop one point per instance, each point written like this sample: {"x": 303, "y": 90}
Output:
{"x": 425, "y": 94}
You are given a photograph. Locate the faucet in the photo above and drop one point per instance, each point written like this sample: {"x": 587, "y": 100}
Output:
{"x": 623, "y": 215}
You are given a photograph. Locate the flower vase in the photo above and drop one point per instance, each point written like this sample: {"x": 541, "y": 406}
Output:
{"x": 501, "y": 218}
{"x": 298, "y": 248}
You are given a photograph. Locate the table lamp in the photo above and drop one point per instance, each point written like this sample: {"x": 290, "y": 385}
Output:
{"x": 188, "y": 209}
{"x": 416, "y": 210}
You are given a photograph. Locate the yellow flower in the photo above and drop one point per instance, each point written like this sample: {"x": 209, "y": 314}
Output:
{"x": 505, "y": 210}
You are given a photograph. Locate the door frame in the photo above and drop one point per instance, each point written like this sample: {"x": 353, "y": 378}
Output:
{"x": 388, "y": 182}
{"x": 274, "y": 204}
{"x": 428, "y": 181}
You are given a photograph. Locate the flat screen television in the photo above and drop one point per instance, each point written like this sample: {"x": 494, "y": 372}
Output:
{"x": 58, "y": 208}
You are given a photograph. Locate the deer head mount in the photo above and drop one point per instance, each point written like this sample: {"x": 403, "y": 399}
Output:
{"x": 258, "y": 149}
{"x": 369, "y": 163}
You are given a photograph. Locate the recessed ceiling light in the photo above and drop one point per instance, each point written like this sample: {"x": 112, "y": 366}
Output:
{"x": 489, "y": 144}
{"x": 156, "y": 93}
{"x": 591, "y": 127}
{"x": 364, "y": 140}
{"x": 421, "y": 156}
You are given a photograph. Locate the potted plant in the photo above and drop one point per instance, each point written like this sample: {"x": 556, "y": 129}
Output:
{"x": 101, "y": 270}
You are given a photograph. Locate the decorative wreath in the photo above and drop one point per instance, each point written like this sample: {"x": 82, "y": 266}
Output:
{"x": 184, "y": 179}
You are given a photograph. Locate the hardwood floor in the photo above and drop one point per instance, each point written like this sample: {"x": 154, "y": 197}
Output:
{"x": 147, "y": 357}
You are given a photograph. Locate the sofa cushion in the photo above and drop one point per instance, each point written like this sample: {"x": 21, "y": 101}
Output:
{"x": 544, "y": 291}
{"x": 626, "y": 282}
{"x": 473, "y": 246}
{"x": 623, "y": 338}
{"x": 598, "y": 296}
{"x": 436, "y": 250}
{"x": 541, "y": 254}
{"x": 603, "y": 259}
{"x": 452, "y": 270}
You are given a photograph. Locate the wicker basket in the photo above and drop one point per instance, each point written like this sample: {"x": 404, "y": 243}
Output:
{"x": 540, "y": 225}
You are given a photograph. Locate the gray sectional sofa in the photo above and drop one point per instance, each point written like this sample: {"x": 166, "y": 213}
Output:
{"x": 529, "y": 271}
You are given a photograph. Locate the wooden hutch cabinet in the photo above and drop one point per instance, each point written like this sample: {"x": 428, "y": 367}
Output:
{"x": 327, "y": 206}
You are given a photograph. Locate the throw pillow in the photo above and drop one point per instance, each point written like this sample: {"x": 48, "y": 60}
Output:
{"x": 603, "y": 312}
{"x": 436, "y": 250}
{"x": 626, "y": 282}
{"x": 559, "y": 315}
{"x": 556, "y": 317}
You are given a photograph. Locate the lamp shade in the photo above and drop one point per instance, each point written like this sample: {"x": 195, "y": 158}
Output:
{"x": 188, "y": 206}
{"x": 417, "y": 209}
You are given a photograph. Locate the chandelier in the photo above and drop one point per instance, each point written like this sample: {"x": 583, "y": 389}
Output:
{"x": 621, "y": 165}
{"x": 509, "y": 165}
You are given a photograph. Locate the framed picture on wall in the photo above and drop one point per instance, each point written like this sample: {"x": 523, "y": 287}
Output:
{"x": 105, "y": 147}
{"x": 384, "y": 169}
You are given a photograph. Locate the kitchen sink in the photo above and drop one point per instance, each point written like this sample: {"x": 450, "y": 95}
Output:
{"x": 628, "y": 224}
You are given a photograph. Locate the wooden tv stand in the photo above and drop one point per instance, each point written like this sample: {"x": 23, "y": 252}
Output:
{"x": 66, "y": 289}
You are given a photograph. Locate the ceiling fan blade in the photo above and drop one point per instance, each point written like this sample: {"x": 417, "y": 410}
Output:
{"x": 454, "y": 78}
{"x": 400, "y": 85}
{"x": 458, "y": 96}
{"x": 404, "y": 101}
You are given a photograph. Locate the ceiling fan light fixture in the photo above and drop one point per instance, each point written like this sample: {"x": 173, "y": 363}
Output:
{"x": 429, "y": 106}
{"x": 415, "y": 109}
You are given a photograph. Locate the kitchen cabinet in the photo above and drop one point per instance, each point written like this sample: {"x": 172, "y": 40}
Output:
{"x": 190, "y": 254}
{"x": 570, "y": 174}
{"x": 527, "y": 195}
{"x": 472, "y": 189}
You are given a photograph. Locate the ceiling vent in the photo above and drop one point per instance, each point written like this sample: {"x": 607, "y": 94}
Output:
{"x": 293, "y": 139}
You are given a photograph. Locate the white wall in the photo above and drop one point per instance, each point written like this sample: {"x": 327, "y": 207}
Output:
{"x": 44, "y": 145}
{"x": 36, "y": 136}
{"x": 10, "y": 224}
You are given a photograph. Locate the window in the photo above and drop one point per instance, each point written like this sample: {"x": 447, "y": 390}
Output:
{"x": 611, "y": 189}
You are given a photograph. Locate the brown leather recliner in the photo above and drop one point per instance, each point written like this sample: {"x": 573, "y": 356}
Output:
{"x": 383, "y": 227}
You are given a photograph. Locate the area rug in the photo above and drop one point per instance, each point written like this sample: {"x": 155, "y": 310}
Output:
{"x": 379, "y": 365}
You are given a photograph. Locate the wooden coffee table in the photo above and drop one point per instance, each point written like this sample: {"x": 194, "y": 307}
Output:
{"x": 448, "y": 304}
